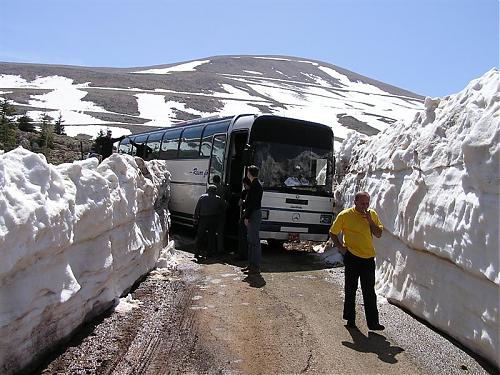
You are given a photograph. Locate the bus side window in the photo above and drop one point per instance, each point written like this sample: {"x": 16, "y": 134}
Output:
{"x": 125, "y": 147}
{"x": 154, "y": 141}
{"x": 217, "y": 156}
{"x": 133, "y": 150}
{"x": 170, "y": 144}
{"x": 140, "y": 139}
{"x": 206, "y": 140}
{"x": 206, "y": 143}
{"x": 189, "y": 145}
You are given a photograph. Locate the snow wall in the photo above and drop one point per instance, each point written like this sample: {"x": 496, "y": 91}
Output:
{"x": 73, "y": 238}
{"x": 435, "y": 184}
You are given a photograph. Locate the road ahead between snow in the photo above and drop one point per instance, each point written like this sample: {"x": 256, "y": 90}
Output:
{"x": 211, "y": 318}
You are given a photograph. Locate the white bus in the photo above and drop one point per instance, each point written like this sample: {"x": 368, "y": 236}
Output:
{"x": 296, "y": 164}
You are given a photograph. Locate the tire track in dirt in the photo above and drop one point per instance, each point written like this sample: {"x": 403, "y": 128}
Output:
{"x": 158, "y": 337}
{"x": 168, "y": 341}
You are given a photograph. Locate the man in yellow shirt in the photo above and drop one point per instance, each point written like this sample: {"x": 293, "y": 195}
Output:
{"x": 358, "y": 225}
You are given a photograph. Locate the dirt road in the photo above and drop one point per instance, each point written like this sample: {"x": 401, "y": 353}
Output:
{"x": 212, "y": 318}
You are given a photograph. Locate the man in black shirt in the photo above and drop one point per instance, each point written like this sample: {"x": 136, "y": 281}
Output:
{"x": 105, "y": 144}
{"x": 242, "y": 229}
{"x": 206, "y": 215}
{"x": 253, "y": 217}
{"x": 221, "y": 222}
{"x": 142, "y": 150}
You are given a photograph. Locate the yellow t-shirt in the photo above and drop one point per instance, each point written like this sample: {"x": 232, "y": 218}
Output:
{"x": 356, "y": 231}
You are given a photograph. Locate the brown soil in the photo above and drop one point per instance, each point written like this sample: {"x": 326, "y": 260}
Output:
{"x": 211, "y": 318}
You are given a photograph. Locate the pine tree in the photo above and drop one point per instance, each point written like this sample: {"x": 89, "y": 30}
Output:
{"x": 58, "y": 126}
{"x": 7, "y": 126}
{"x": 96, "y": 146}
{"x": 25, "y": 123}
{"x": 46, "y": 140}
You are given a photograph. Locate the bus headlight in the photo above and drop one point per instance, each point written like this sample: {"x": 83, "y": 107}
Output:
{"x": 265, "y": 214}
{"x": 326, "y": 219}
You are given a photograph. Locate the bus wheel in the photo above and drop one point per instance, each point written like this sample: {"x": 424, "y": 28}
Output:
{"x": 275, "y": 244}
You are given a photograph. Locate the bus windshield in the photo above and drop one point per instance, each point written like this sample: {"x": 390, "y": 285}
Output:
{"x": 294, "y": 168}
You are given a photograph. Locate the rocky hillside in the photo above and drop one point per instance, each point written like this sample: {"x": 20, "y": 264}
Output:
{"x": 137, "y": 99}
{"x": 64, "y": 149}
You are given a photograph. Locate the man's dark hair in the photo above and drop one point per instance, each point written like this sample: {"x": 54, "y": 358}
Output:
{"x": 216, "y": 179}
{"x": 254, "y": 170}
{"x": 361, "y": 193}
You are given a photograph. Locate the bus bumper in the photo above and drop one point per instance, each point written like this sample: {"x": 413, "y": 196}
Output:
{"x": 285, "y": 236}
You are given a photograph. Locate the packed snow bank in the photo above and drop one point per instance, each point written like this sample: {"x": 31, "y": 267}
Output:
{"x": 73, "y": 238}
{"x": 329, "y": 254}
{"x": 435, "y": 184}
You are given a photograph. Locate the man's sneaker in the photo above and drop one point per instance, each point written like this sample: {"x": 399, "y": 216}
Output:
{"x": 376, "y": 327}
{"x": 351, "y": 324}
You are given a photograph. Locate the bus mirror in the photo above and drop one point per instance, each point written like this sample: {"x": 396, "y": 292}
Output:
{"x": 247, "y": 155}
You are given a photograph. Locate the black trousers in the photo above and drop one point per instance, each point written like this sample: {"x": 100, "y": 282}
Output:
{"x": 206, "y": 233}
{"x": 363, "y": 269}
{"x": 221, "y": 224}
{"x": 242, "y": 240}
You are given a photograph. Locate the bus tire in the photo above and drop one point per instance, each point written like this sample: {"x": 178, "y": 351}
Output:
{"x": 275, "y": 244}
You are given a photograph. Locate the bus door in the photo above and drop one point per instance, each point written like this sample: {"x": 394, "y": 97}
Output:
{"x": 234, "y": 175}
{"x": 217, "y": 158}
{"x": 216, "y": 167}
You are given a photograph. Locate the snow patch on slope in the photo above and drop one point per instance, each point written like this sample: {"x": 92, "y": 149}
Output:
{"x": 161, "y": 112}
{"x": 65, "y": 99}
{"x": 186, "y": 67}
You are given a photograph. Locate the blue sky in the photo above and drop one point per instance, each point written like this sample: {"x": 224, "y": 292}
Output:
{"x": 431, "y": 47}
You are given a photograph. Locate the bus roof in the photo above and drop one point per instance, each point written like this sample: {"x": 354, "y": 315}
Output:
{"x": 196, "y": 121}
{"x": 202, "y": 120}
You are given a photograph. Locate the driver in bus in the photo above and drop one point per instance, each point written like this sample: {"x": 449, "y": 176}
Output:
{"x": 298, "y": 180}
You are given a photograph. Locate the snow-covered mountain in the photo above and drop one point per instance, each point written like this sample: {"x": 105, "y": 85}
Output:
{"x": 73, "y": 237}
{"x": 137, "y": 99}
